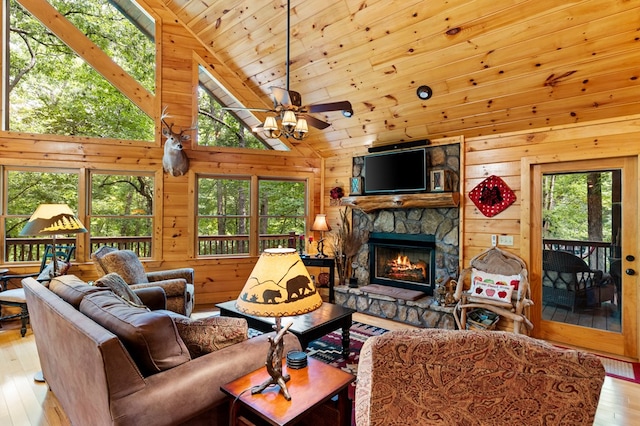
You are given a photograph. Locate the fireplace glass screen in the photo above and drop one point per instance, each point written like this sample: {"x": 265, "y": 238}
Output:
{"x": 406, "y": 264}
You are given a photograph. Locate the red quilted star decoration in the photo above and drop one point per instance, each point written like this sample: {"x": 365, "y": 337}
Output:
{"x": 492, "y": 195}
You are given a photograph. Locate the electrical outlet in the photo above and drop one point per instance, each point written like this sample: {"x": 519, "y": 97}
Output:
{"x": 505, "y": 240}
{"x": 494, "y": 240}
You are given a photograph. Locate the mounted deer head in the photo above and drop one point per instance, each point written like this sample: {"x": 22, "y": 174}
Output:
{"x": 174, "y": 161}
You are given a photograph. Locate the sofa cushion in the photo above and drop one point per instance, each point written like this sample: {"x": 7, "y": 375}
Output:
{"x": 126, "y": 264}
{"x": 72, "y": 289}
{"x": 210, "y": 334}
{"x": 119, "y": 287}
{"x": 150, "y": 337}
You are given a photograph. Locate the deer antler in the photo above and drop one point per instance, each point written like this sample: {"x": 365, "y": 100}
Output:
{"x": 169, "y": 127}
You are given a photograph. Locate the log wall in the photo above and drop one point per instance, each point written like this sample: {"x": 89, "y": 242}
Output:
{"x": 216, "y": 279}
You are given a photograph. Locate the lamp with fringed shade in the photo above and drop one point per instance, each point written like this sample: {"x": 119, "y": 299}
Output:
{"x": 279, "y": 286}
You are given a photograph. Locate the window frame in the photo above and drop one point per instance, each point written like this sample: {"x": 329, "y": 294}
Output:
{"x": 254, "y": 219}
{"x": 83, "y": 240}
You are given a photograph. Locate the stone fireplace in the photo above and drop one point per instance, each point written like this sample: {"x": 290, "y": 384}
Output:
{"x": 425, "y": 241}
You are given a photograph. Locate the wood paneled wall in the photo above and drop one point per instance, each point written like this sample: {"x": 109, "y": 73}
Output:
{"x": 216, "y": 279}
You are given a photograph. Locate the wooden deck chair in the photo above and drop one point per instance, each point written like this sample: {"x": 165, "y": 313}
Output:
{"x": 497, "y": 281}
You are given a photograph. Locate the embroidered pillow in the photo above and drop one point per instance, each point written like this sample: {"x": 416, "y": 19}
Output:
{"x": 210, "y": 334}
{"x": 498, "y": 279}
{"x": 494, "y": 286}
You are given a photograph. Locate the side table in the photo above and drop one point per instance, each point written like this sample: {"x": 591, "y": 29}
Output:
{"x": 309, "y": 387}
{"x": 323, "y": 262}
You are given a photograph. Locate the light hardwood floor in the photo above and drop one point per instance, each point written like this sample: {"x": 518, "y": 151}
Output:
{"x": 24, "y": 402}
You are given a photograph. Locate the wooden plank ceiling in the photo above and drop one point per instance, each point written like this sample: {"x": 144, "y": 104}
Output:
{"x": 495, "y": 66}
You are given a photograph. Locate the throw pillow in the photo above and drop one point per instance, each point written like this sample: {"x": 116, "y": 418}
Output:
{"x": 498, "y": 279}
{"x": 494, "y": 286}
{"x": 119, "y": 287}
{"x": 210, "y": 334}
{"x": 150, "y": 337}
{"x": 47, "y": 273}
{"x": 126, "y": 264}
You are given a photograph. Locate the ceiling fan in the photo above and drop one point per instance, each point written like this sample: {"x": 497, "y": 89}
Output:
{"x": 288, "y": 108}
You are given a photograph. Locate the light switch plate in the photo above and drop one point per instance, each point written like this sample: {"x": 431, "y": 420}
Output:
{"x": 505, "y": 240}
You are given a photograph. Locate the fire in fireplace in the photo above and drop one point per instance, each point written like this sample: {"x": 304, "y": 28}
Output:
{"x": 402, "y": 260}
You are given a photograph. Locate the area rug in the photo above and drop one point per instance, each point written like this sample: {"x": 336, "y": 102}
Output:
{"x": 624, "y": 370}
{"x": 328, "y": 349}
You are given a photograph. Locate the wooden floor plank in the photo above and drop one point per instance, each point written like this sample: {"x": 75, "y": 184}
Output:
{"x": 26, "y": 403}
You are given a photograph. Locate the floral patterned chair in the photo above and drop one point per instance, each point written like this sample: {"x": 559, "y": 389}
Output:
{"x": 463, "y": 377}
{"x": 177, "y": 283}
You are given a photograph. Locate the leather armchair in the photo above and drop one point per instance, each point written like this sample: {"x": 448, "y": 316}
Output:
{"x": 177, "y": 283}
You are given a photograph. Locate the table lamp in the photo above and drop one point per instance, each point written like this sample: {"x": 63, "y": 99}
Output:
{"x": 279, "y": 286}
{"x": 320, "y": 224}
{"x": 53, "y": 219}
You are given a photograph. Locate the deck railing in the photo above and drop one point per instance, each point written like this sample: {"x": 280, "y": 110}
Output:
{"x": 596, "y": 254}
{"x": 32, "y": 250}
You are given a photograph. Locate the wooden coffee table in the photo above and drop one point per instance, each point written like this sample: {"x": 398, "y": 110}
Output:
{"x": 310, "y": 387}
{"x": 307, "y": 327}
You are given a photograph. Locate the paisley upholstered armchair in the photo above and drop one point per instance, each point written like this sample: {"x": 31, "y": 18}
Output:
{"x": 463, "y": 377}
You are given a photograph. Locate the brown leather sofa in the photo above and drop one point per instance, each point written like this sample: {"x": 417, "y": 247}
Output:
{"x": 98, "y": 381}
{"x": 459, "y": 377}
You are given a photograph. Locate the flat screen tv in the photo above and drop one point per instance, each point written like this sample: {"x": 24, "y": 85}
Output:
{"x": 398, "y": 171}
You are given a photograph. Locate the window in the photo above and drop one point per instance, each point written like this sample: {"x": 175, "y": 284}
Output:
{"x": 223, "y": 216}
{"x": 227, "y": 127}
{"x": 282, "y": 210}
{"x": 52, "y": 90}
{"x": 224, "y": 213}
{"x": 219, "y": 127}
{"x": 24, "y": 190}
{"x": 121, "y": 212}
{"x": 120, "y": 209}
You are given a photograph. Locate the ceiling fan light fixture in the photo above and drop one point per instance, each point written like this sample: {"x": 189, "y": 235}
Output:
{"x": 301, "y": 130}
{"x": 270, "y": 128}
{"x": 347, "y": 113}
{"x": 289, "y": 119}
{"x": 424, "y": 92}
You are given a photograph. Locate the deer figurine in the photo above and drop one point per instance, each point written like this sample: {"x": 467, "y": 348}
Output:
{"x": 174, "y": 160}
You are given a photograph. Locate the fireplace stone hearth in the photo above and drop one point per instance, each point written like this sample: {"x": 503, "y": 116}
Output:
{"x": 423, "y": 312}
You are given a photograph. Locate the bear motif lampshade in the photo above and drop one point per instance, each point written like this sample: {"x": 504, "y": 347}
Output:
{"x": 279, "y": 286}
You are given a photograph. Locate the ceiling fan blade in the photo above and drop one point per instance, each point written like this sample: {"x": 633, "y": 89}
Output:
{"x": 318, "y": 124}
{"x": 247, "y": 109}
{"x": 331, "y": 106}
{"x": 286, "y": 98}
{"x": 280, "y": 96}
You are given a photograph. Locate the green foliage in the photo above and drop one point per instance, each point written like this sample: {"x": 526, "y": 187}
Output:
{"x": 26, "y": 190}
{"x": 53, "y": 91}
{"x": 565, "y": 211}
{"x": 282, "y": 206}
{"x": 218, "y": 127}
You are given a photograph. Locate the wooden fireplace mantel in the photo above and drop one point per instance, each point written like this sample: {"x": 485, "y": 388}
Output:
{"x": 368, "y": 203}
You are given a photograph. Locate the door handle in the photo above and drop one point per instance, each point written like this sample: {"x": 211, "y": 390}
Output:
{"x": 630, "y": 271}
{"x": 630, "y": 258}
